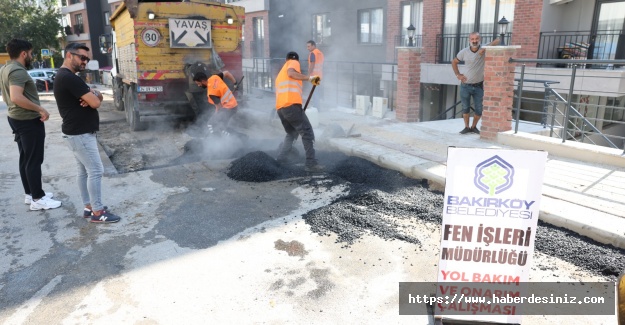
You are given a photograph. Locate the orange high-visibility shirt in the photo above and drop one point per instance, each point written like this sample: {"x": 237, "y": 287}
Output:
{"x": 217, "y": 87}
{"x": 288, "y": 90}
{"x": 318, "y": 63}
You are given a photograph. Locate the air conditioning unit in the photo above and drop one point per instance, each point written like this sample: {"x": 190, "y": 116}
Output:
{"x": 380, "y": 107}
{"x": 559, "y": 2}
{"x": 362, "y": 105}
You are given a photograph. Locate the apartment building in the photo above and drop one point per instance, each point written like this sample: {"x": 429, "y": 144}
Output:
{"x": 372, "y": 30}
{"x": 87, "y": 22}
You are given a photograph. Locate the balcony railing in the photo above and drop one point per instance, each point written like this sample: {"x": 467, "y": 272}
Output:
{"x": 342, "y": 82}
{"x": 78, "y": 29}
{"x": 581, "y": 45}
{"x": 449, "y": 45}
{"x": 402, "y": 40}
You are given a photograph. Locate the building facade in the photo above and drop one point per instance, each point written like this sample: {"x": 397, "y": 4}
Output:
{"x": 372, "y": 30}
{"x": 85, "y": 22}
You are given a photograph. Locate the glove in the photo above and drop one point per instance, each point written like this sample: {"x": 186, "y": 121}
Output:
{"x": 315, "y": 80}
{"x": 235, "y": 86}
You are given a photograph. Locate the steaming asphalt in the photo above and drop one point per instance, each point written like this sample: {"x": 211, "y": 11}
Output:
{"x": 239, "y": 241}
{"x": 383, "y": 203}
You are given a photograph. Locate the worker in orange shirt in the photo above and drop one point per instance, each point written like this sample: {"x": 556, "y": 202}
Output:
{"x": 315, "y": 68}
{"x": 219, "y": 95}
{"x": 292, "y": 116}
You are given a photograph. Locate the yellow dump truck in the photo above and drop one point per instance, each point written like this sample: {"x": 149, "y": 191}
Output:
{"x": 159, "y": 46}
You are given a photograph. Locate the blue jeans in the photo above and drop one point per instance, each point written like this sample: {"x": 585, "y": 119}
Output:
{"x": 89, "y": 166}
{"x": 466, "y": 92}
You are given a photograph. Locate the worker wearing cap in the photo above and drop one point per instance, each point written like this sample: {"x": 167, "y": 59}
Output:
{"x": 219, "y": 95}
{"x": 292, "y": 116}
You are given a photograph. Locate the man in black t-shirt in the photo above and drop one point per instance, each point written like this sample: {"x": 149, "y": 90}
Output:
{"x": 78, "y": 106}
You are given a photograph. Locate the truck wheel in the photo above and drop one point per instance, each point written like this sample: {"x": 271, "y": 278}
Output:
{"x": 118, "y": 95}
{"x": 132, "y": 114}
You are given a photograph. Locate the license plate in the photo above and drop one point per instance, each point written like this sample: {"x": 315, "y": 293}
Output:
{"x": 150, "y": 89}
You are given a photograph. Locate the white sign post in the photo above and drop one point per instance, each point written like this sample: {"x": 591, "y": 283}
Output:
{"x": 185, "y": 33}
{"x": 490, "y": 215}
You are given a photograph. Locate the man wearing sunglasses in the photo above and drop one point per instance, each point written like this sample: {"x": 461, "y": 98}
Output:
{"x": 78, "y": 106}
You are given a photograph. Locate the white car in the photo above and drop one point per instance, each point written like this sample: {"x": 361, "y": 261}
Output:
{"x": 41, "y": 76}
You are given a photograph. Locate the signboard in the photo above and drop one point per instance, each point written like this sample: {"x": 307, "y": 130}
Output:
{"x": 45, "y": 52}
{"x": 490, "y": 215}
{"x": 186, "y": 33}
{"x": 150, "y": 37}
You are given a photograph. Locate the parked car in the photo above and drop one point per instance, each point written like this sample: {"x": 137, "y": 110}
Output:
{"x": 43, "y": 76}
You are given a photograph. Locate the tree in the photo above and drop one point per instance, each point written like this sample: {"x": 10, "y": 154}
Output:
{"x": 25, "y": 19}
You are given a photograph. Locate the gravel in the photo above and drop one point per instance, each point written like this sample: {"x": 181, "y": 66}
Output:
{"x": 386, "y": 204}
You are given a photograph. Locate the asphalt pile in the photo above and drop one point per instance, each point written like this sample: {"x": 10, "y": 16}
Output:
{"x": 259, "y": 166}
{"x": 381, "y": 202}
{"x": 386, "y": 204}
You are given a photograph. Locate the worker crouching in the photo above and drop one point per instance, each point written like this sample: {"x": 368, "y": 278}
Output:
{"x": 221, "y": 97}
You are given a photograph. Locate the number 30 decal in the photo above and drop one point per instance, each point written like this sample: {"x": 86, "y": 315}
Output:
{"x": 150, "y": 37}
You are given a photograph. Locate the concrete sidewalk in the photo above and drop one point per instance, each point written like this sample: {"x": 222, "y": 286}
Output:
{"x": 587, "y": 198}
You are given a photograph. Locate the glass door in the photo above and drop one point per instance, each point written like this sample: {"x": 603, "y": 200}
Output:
{"x": 607, "y": 41}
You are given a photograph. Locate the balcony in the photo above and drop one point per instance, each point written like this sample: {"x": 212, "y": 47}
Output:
{"x": 580, "y": 45}
{"x": 76, "y": 33}
{"x": 73, "y": 7}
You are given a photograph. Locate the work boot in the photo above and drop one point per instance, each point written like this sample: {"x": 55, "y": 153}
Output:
{"x": 465, "y": 131}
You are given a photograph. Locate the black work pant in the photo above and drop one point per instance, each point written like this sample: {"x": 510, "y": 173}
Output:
{"x": 220, "y": 119}
{"x": 295, "y": 122}
{"x": 30, "y": 137}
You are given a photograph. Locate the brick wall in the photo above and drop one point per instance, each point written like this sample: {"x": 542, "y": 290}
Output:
{"x": 526, "y": 29}
{"x": 408, "y": 84}
{"x": 393, "y": 21}
{"x": 249, "y": 33}
{"x": 432, "y": 26}
{"x": 498, "y": 91}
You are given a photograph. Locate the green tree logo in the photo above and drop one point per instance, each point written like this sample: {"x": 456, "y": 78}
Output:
{"x": 493, "y": 175}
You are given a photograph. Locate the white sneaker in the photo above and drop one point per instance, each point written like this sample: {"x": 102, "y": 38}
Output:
{"x": 28, "y": 198}
{"x": 44, "y": 203}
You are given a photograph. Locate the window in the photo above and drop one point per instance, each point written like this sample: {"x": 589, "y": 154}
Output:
{"x": 78, "y": 26}
{"x": 258, "y": 41}
{"x": 465, "y": 16}
{"x": 321, "y": 28}
{"x": 412, "y": 13}
{"x": 371, "y": 26}
{"x": 107, "y": 17}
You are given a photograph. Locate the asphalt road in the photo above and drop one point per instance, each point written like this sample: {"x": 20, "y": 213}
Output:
{"x": 196, "y": 247}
